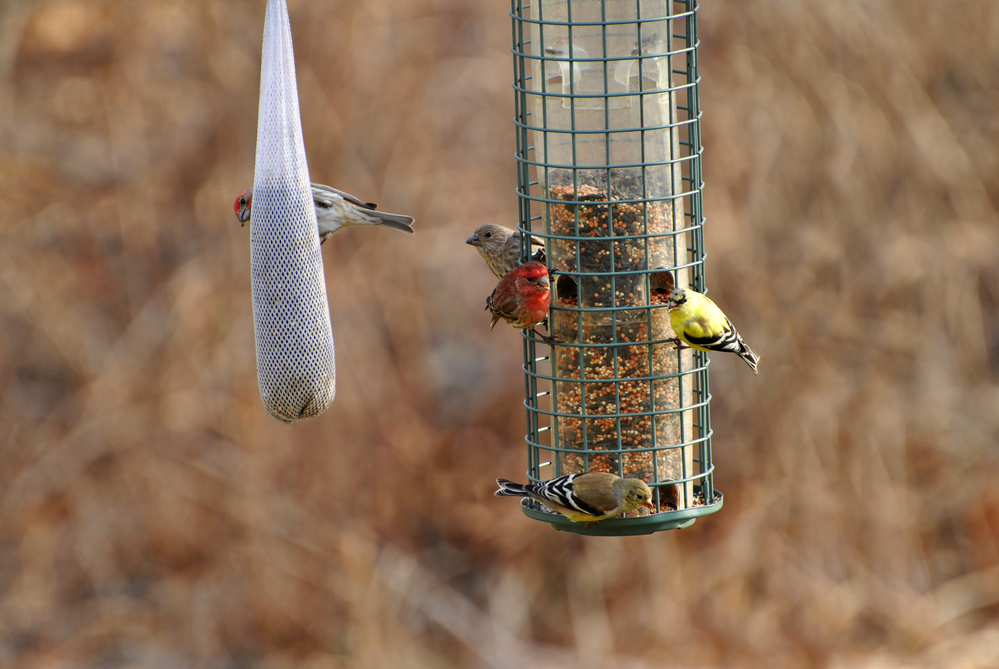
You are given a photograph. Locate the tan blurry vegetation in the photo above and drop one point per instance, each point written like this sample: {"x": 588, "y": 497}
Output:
{"x": 153, "y": 515}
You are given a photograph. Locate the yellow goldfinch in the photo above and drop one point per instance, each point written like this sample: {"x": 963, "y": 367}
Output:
{"x": 584, "y": 498}
{"x": 699, "y": 322}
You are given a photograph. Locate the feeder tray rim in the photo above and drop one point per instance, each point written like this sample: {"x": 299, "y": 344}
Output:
{"x": 598, "y": 24}
{"x": 667, "y": 520}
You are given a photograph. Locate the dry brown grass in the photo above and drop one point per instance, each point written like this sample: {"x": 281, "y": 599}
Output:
{"x": 154, "y": 516}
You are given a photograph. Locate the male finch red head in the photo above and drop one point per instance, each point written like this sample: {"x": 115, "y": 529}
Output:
{"x": 522, "y": 297}
{"x": 243, "y": 204}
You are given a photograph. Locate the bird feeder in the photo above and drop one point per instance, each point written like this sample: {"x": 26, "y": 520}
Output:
{"x": 609, "y": 176}
{"x": 296, "y": 366}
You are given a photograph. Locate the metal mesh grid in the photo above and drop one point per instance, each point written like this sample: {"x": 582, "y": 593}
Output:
{"x": 608, "y": 149}
{"x": 296, "y": 369}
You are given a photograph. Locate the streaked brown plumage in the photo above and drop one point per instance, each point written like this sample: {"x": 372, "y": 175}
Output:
{"x": 500, "y": 247}
{"x": 335, "y": 210}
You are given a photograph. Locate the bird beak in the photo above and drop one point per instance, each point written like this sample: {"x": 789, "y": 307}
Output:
{"x": 473, "y": 240}
{"x": 244, "y": 215}
{"x": 649, "y": 504}
{"x": 544, "y": 283}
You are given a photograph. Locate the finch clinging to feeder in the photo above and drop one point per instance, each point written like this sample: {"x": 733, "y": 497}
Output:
{"x": 699, "y": 322}
{"x": 522, "y": 298}
{"x": 584, "y": 498}
{"x": 500, "y": 247}
{"x": 334, "y": 210}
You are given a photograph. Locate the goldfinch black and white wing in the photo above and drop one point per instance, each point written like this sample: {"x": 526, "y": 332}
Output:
{"x": 558, "y": 492}
{"x": 588, "y": 497}
{"x": 728, "y": 341}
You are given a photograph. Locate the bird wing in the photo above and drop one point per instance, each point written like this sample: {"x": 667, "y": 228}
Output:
{"x": 560, "y": 491}
{"x": 727, "y": 339}
{"x": 325, "y": 197}
{"x": 497, "y": 314}
{"x": 500, "y": 311}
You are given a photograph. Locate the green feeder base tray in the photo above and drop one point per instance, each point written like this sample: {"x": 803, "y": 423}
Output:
{"x": 620, "y": 527}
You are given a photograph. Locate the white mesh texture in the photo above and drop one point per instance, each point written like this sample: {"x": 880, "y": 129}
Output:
{"x": 291, "y": 317}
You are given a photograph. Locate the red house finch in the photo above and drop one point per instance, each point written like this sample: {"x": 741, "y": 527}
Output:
{"x": 585, "y": 498}
{"x": 500, "y": 247}
{"x": 522, "y": 298}
{"x": 334, "y": 210}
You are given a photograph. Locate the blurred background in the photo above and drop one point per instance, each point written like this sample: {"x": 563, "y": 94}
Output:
{"x": 153, "y": 515}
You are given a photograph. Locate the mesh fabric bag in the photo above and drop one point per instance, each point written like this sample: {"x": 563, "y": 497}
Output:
{"x": 295, "y": 363}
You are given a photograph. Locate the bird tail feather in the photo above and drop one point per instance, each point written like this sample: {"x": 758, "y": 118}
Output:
{"x": 510, "y": 489}
{"x": 751, "y": 358}
{"x": 394, "y": 221}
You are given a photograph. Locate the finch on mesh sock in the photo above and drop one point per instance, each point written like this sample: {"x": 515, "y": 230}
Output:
{"x": 522, "y": 298}
{"x": 699, "y": 322}
{"x": 584, "y": 498}
{"x": 500, "y": 248}
{"x": 335, "y": 210}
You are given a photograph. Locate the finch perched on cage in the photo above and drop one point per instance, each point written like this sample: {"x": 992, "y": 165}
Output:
{"x": 699, "y": 322}
{"x": 584, "y": 498}
{"x": 334, "y": 210}
{"x": 500, "y": 248}
{"x": 522, "y": 298}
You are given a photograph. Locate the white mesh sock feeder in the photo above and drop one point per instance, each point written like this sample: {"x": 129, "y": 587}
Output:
{"x": 609, "y": 173}
{"x": 296, "y": 369}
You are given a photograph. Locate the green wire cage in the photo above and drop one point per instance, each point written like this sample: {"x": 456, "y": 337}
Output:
{"x": 609, "y": 176}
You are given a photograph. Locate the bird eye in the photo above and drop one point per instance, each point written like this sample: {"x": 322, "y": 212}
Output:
{"x": 242, "y": 200}
{"x": 488, "y": 235}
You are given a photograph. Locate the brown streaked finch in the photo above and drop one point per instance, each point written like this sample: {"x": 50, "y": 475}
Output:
{"x": 334, "y": 210}
{"x": 522, "y": 298}
{"x": 500, "y": 247}
{"x": 584, "y": 498}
